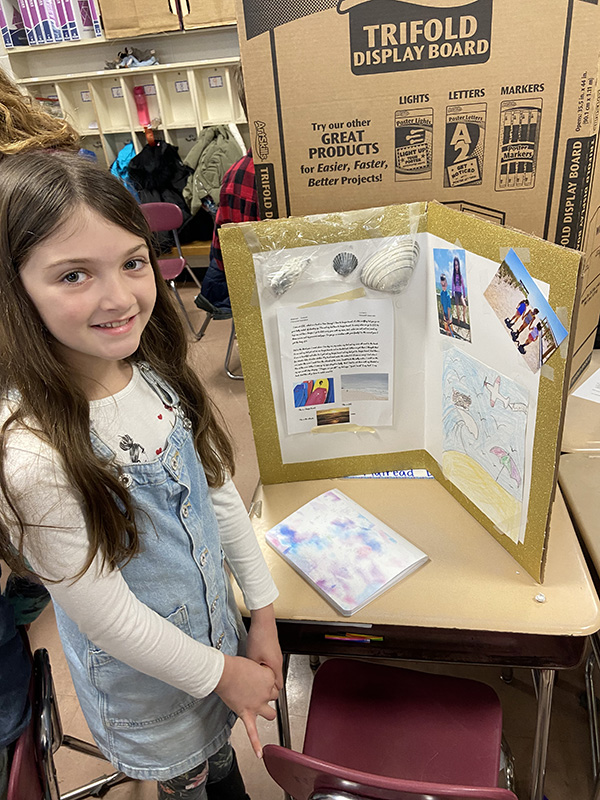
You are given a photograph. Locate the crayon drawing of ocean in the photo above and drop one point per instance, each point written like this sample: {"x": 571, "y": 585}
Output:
{"x": 347, "y": 555}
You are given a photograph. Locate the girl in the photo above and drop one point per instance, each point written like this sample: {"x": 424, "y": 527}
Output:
{"x": 93, "y": 354}
{"x": 459, "y": 291}
{"x": 23, "y": 126}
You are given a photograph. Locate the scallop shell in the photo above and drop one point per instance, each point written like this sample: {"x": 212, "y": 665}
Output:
{"x": 345, "y": 263}
{"x": 390, "y": 268}
{"x": 284, "y": 278}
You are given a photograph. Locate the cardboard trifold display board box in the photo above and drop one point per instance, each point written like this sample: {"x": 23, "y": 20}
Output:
{"x": 490, "y": 106}
{"x": 410, "y": 336}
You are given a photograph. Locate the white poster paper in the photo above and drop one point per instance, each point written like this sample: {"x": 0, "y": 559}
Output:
{"x": 337, "y": 364}
{"x": 590, "y": 389}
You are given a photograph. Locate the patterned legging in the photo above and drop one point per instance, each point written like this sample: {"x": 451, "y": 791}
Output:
{"x": 205, "y": 780}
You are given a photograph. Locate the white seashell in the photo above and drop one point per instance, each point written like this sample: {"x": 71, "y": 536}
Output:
{"x": 345, "y": 263}
{"x": 286, "y": 277}
{"x": 390, "y": 268}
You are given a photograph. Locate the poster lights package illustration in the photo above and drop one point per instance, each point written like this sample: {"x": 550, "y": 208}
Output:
{"x": 414, "y": 144}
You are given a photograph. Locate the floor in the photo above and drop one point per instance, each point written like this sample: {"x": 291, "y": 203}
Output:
{"x": 569, "y": 768}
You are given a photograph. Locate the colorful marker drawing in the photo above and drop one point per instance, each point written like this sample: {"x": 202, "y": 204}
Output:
{"x": 494, "y": 390}
{"x": 484, "y": 428}
{"x": 508, "y": 463}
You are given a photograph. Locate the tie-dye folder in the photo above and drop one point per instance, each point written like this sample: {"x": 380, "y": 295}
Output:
{"x": 345, "y": 553}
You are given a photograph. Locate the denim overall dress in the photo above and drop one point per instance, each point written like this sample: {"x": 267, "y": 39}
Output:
{"x": 145, "y": 727}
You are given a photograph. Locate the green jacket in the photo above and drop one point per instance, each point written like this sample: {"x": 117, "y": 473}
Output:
{"x": 210, "y": 158}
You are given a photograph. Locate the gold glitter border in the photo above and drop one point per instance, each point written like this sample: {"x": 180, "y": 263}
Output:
{"x": 557, "y": 266}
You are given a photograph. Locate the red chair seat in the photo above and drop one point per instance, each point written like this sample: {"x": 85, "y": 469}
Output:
{"x": 405, "y": 724}
{"x": 24, "y": 781}
{"x": 171, "y": 268}
{"x": 386, "y": 733}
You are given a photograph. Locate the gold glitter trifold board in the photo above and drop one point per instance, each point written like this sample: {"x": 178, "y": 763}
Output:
{"x": 410, "y": 336}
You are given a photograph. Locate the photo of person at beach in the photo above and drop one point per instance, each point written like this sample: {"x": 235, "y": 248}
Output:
{"x": 526, "y": 315}
{"x": 451, "y": 293}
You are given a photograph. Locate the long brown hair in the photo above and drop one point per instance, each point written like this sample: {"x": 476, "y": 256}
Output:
{"x": 24, "y": 125}
{"x": 38, "y": 191}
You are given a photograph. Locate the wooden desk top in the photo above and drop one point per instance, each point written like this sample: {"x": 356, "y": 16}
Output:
{"x": 579, "y": 477}
{"x": 470, "y": 583}
{"x": 582, "y": 421}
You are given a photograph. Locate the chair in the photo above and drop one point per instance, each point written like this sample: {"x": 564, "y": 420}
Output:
{"x": 236, "y": 376}
{"x": 387, "y": 733}
{"x": 169, "y": 217}
{"x": 221, "y": 313}
{"x": 32, "y": 773}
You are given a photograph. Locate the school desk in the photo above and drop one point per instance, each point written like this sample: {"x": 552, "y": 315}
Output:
{"x": 579, "y": 478}
{"x": 471, "y": 603}
{"x": 582, "y": 421}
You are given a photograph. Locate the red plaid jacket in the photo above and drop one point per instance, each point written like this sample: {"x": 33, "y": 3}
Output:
{"x": 238, "y": 201}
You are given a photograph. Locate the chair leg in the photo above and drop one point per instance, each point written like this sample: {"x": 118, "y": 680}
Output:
{"x": 204, "y": 326}
{"x": 281, "y": 706}
{"x": 592, "y": 661}
{"x": 597, "y": 790}
{"x": 51, "y": 737}
{"x": 283, "y": 716}
{"x": 545, "y": 685}
{"x": 97, "y": 788}
{"x": 193, "y": 277}
{"x": 197, "y": 334}
{"x": 232, "y": 375}
{"x": 509, "y": 765}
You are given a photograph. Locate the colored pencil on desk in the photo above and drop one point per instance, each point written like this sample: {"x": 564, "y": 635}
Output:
{"x": 347, "y": 639}
{"x": 365, "y": 636}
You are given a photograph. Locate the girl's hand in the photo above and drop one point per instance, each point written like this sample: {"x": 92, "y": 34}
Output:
{"x": 263, "y": 644}
{"x": 247, "y": 688}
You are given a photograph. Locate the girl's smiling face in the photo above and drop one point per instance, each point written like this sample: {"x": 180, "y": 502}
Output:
{"x": 94, "y": 288}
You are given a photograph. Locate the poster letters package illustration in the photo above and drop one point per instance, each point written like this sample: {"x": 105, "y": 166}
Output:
{"x": 490, "y": 106}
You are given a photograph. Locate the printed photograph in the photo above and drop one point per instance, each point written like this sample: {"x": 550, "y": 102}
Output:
{"x": 335, "y": 416}
{"x": 365, "y": 386}
{"x": 315, "y": 392}
{"x": 451, "y": 292}
{"x": 525, "y": 313}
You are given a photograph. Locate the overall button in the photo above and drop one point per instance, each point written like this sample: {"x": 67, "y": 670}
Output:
{"x": 185, "y": 510}
{"x": 126, "y": 480}
{"x": 203, "y": 557}
{"x": 213, "y": 605}
{"x": 219, "y": 643}
{"x": 187, "y": 424}
{"x": 175, "y": 462}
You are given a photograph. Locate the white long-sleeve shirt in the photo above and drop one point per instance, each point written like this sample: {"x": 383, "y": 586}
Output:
{"x": 100, "y": 602}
